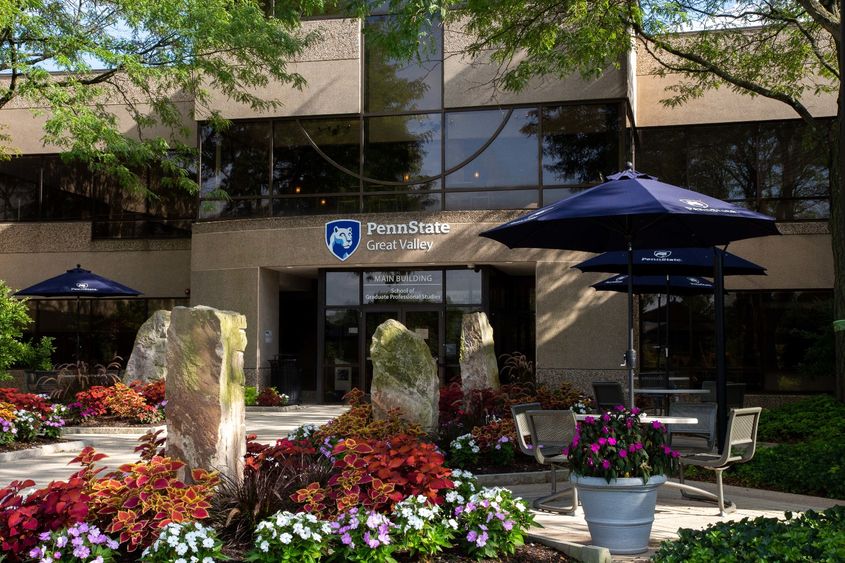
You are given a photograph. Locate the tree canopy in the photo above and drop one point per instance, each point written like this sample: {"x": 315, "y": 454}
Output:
{"x": 78, "y": 61}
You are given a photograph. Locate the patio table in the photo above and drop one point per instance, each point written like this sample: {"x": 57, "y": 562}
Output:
{"x": 668, "y": 393}
{"x": 648, "y": 419}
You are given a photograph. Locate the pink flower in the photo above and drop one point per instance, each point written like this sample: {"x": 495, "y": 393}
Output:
{"x": 605, "y": 464}
{"x": 611, "y": 441}
{"x": 602, "y": 441}
{"x": 623, "y": 453}
{"x": 656, "y": 424}
{"x": 589, "y": 420}
{"x": 635, "y": 410}
{"x": 595, "y": 448}
{"x": 605, "y": 417}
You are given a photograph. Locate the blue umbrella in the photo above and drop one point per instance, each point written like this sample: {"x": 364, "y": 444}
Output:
{"x": 661, "y": 261}
{"x": 635, "y": 210}
{"x": 672, "y": 285}
{"x": 78, "y": 283}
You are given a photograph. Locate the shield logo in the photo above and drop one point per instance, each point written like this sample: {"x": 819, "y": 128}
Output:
{"x": 343, "y": 237}
{"x": 662, "y": 253}
{"x": 695, "y": 203}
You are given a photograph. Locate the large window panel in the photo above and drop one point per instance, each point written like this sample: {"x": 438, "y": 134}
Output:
{"x": 580, "y": 144}
{"x": 402, "y": 149}
{"x": 298, "y": 168}
{"x": 509, "y": 161}
{"x": 19, "y": 187}
{"x": 468, "y": 131}
{"x": 236, "y": 161}
{"x": 394, "y": 86}
{"x": 317, "y": 205}
{"x": 512, "y": 199}
{"x": 233, "y": 208}
{"x": 385, "y": 203}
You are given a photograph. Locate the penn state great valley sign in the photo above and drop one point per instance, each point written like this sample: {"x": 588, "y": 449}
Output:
{"x": 344, "y": 236}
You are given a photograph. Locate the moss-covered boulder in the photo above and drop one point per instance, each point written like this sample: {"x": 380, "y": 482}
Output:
{"x": 404, "y": 376}
{"x": 205, "y": 389}
{"x": 479, "y": 369}
{"x": 148, "y": 360}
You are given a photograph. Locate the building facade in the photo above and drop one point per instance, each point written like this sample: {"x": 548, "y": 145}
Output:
{"x": 362, "y": 197}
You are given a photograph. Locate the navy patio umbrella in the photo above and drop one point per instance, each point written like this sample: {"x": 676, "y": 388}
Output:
{"x": 78, "y": 283}
{"x": 674, "y": 261}
{"x": 632, "y": 210}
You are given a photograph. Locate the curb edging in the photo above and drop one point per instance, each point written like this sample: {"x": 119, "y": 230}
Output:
{"x": 521, "y": 478}
{"x": 44, "y": 449}
{"x": 583, "y": 553}
{"x": 286, "y": 408}
{"x": 70, "y": 430}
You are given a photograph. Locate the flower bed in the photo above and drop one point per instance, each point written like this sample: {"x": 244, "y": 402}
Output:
{"x": 27, "y": 419}
{"x": 354, "y": 490}
{"x": 119, "y": 405}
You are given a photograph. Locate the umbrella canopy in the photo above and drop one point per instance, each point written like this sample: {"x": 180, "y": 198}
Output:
{"x": 681, "y": 261}
{"x": 674, "y": 285}
{"x": 634, "y": 210}
{"x": 78, "y": 282}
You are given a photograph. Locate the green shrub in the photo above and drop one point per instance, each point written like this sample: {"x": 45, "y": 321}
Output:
{"x": 818, "y": 416}
{"x": 250, "y": 396}
{"x": 811, "y": 537}
{"x": 14, "y": 319}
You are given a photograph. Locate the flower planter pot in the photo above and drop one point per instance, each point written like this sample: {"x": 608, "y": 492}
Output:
{"x": 619, "y": 514}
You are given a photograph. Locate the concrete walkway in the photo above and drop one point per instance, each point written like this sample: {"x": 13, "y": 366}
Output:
{"x": 268, "y": 426}
{"x": 673, "y": 511}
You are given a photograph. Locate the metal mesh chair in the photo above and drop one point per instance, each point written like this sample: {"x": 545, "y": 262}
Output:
{"x": 705, "y": 427}
{"x": 608, "y": 394}
{"x": 523, "y": 431}
{"x": 740, "y": 445}
{"x": 551, "y": 432}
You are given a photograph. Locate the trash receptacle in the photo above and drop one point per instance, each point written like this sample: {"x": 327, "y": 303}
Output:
{"x": 284, "y": 376}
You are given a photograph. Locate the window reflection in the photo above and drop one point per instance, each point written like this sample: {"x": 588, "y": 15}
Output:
{"x": 397, "y": 86}
{"x": 509, "y": 161}
{"x": 236, "y": 162}
{"x": 463, "y": 287}
{"x": 299, "y": 169}
{"x": 516, "y": 199}
{"x": 317, "y": 205}
{"x": 402, "y": 202}
{"x": 580, "y": 143}
{"x": 342, "y": 288}
{"x": 402, "y": 148}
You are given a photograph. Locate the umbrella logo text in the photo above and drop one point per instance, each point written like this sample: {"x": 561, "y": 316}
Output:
{"x": 662, "y": 253}
{"x": 697, "y": 203}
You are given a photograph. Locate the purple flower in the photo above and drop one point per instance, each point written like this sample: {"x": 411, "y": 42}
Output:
{"x": 635, "y": 410}
{"x": 589, "y": 420}
{"x": 656, "y": 424}
{"x": 44, "y": 536}
{"x": 507, "y": 525}
{"x": 482, "y": 539}
{"x": 619, "y": 408}
{"x": 623, "y": 453}
{"x": 595, "y": 448}
{"x": 82, "y": 552}
{"x": 472, "y": 535}
{"x": 346, "y": 539}
{"x": 605, "y": 417}
{"x": 35, "y": 552}
{"x": 611, "y": 441}
{"x": 602, "y": 441}
{"x": 604, "y": 463}
{"x": 61, "y": 541}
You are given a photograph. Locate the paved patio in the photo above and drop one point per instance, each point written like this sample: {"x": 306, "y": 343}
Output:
{"x": 673, "y": 511}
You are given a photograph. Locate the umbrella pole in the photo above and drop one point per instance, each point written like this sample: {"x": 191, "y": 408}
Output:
{"x": 721, "y": 368}
{"x": 78, "y": 355}
{"x": 630, "y": 354}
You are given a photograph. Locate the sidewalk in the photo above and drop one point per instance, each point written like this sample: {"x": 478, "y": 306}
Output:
{"x": 269, "y": 426}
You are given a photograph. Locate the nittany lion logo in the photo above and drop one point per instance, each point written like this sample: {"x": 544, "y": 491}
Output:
{"x": 695, "y": 203}
{"x": 343, "y": 237}
{"x": 662, "y": 253}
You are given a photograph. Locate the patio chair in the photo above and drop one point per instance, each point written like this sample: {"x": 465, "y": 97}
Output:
{"x": 608, "y": 394}
{"x": 740, "y": 444}
{"x": 521, "y": 422}
{"x": 705, "y": 428}
{"x": 551, "y": 432}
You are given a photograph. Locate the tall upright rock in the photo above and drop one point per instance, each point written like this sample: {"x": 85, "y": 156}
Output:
{"x": 148, "y": 360}
{"x": 205, "y": 389}
{"x": 404, "y": 376}
{"x": 479, "y": 369}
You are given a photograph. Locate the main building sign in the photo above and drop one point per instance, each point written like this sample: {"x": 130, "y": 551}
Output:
{"x": 343, "y": 236}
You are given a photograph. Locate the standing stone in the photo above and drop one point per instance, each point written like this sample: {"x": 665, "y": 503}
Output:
{"x": 148, "y": 360}
{"x": 205, "y": 390}
{"x": 404, "y": 376}
{"x": 479, "y": 369}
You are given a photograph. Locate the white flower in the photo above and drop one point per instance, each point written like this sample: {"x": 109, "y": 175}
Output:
{"x": 207, "y": 560}
{"x": 286, "y": 538}
{"x": 180, "y": 560}
{"x": 208, "y": 543}
{"x": 181, "y": 549}
{"x": 265, "y": 547}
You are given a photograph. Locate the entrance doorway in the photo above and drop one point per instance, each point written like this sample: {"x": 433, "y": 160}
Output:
{"x": 425, "y": 321}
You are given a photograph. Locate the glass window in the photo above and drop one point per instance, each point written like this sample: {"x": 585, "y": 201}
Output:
{"x": 580, "y": 144}
{"x": 402, "y": 148}
{"x": 467, "y": 131}
{"x": 341, "y": 336}
{"x": 342, "y": 288}
{"x": 67, "y": 189}
{"x": 422, "y": 286}
{"x": 463, "y": 287}
{"x": 509, "y": 161}
{"x": 397, "y": 86}
{"x": 402, "y": 202}
{"x": 299, "y": 169}
{"x": 19, "y": 183}
{"x": 516, "y": 199}
{"x": 237, "y": 160}
{"x": 558, "y": 194}
{"x": 233, "y": 209}
{"x": 315, "y": 205}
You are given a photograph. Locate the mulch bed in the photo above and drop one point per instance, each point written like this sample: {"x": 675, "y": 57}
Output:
{"x": 111, "y": 421}
{"x": 18, "y": 446}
